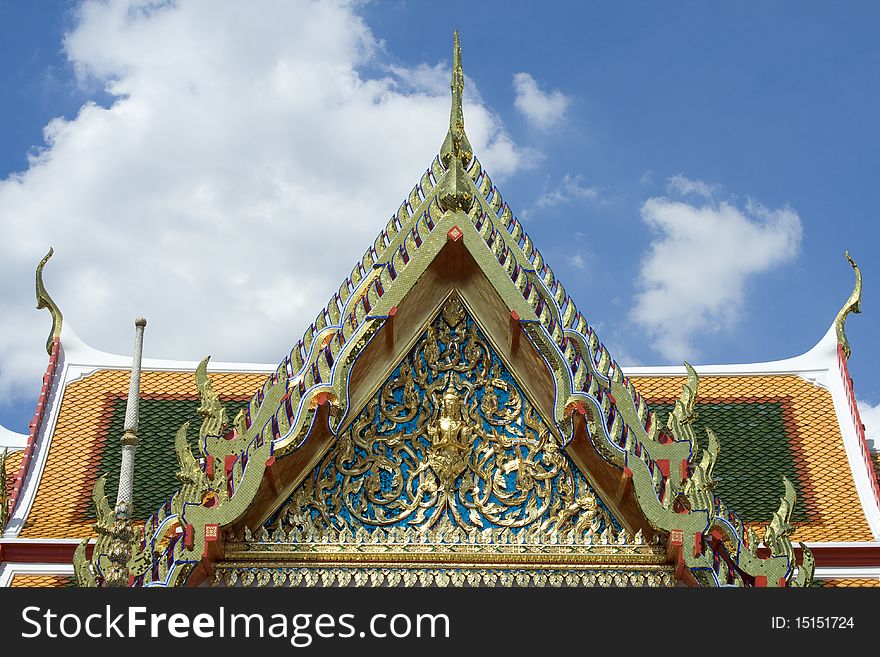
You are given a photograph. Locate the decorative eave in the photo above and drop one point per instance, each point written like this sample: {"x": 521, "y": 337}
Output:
{"x": 592, "y": 399}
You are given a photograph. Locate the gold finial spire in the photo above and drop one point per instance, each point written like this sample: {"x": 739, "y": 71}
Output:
{"x": 456, "y": 144}
{"x": 456, "y": 114}
{"x": 456, "y": 153}
{"x": 45, "y": 301}
{"x": 853, "y": 304}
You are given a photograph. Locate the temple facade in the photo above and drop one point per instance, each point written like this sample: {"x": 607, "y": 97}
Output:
{"x": 450, "y": 418}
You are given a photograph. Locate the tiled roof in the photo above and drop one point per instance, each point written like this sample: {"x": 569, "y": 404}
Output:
{"x": 156, "y": 461}
{"x": 769, "y": 426}
{"x": 85, "y": 444}
{"x": 50, "y": 581}
{"x": 13, "y": 463}
{"x": 849, "y": 582}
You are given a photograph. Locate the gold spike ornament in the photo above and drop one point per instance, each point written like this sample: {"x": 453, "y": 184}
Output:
{"x": 45, "y": 301}
{"x": 853, "y": 304}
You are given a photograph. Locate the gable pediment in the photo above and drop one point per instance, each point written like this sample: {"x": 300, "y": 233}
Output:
{"x": 450, "y": 439}
{"x": 448, "y": 455}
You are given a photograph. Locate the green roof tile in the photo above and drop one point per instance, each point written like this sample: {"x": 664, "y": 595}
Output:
{"x": 755, "y": 452}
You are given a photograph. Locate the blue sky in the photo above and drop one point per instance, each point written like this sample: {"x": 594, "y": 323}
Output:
{"x": 692, "y": 172}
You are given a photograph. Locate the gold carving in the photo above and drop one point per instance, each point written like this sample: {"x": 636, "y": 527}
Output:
{"x": 853, "y": 304}
{"x": 117, "y": 554}
{"x": 45, "y": 301}
{"x": 777, "y": 532}
{"x": 232, "y": 574}
{"x": 453, "y": 311}
{"x": 456, "y": 146}
{"x": 456, "y": 187}
{"x": 214, "y": 420}
{"x": 776, "y": 537}
{"x": 84, "y": 569}
{"x": 450, "y": 443}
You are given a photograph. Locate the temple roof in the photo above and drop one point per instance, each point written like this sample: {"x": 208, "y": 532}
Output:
{"x": 789, "y": 417}
{"x": 769, "y": 423}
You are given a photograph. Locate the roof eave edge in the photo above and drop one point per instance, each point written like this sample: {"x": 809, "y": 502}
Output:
{"x": 821, "y": 358}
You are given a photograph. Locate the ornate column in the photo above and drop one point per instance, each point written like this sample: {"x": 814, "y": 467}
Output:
{"x": 122, "y": 531}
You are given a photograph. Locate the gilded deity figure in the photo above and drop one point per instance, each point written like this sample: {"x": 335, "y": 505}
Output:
{"x": 450, "y": 441}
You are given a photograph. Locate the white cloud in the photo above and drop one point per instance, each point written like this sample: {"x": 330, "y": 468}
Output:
{"x": 243, "y": 167}
{"x": 684, "y": 186}
{"x": 622, "y": 355}
{"x": 543, "y": 110}
{"x": 619, "y": 351}
{"x": 870, "y": 415}
{"x": 572, "y": 188}
{"x": 693, "y": 276}
{"x": 578, "y": 261}
{"x": 433, "y": 79}
{"x": 426, "y": 78}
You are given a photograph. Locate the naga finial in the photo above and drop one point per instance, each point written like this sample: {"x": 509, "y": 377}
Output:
{"x": 45, "y": 301}
{"x": 214, "y": 418}
{"x": 779, "y": 529}
{"x": 456, "y": 145}
{"x": 88, "y": 570}
{"x": 852, "y": 304}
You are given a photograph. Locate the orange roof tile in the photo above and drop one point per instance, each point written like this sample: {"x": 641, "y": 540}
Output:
{"x": 850, "y": 582}
{"x": 33, "y": 581}
{"x": 64, "y": 493}
{"x": 831, "y": 501}
{"x": 13, "y": 463}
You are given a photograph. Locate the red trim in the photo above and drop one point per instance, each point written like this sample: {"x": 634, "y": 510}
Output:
{"x": 212, "y": 535}
{"x": 454, "y": 233}
{"x": 40, "y": 552}
{"x": 857, "y": 420}
{"x": 831, "y": 556}
{"x": 36, "y": 423}
{"x": 844, "y": 556}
